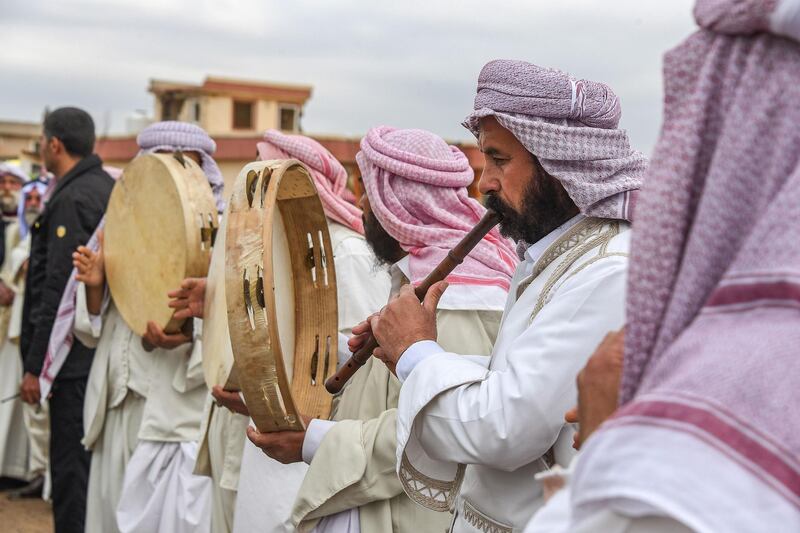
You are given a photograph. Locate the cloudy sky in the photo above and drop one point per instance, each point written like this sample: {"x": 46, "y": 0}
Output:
{"x": 412, "y": 63}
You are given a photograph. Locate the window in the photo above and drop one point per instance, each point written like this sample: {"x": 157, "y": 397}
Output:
{"x": 242, "y": 115}
{"x": 288, "y": 115}
{"x": 196, "y": 112}
{"x": 171, "y": 106}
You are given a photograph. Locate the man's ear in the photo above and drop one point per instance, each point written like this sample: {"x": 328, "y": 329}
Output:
{"x": 56, "y": 146}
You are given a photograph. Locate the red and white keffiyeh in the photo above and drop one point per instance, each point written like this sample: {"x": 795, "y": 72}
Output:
{"x": 417, "y": 188}
{"x": 708, "y": 430}
{"x": 330, "y": 177}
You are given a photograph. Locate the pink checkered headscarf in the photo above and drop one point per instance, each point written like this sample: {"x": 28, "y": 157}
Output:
{"x": 329, "y": 175}
{"x": 174, "y": 135}
{"x": 417, "y": 188}
{"x": 570, "y": 125}
{"x": 712, "y": 355}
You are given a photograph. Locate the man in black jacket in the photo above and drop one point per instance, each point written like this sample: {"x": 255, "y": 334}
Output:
{"x": 71, "y": 214}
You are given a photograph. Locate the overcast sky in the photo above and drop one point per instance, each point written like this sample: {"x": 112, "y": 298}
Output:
{"x": 408, "y": 64}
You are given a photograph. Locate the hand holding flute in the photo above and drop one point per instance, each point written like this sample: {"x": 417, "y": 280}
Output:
{"x": 454, "y": 258}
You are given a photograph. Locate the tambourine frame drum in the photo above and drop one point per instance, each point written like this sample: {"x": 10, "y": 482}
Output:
{"x": 160, "y": 226}
{"x": 281, "y": 294}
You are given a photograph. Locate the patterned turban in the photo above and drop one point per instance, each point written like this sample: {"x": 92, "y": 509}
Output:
{"x": 417, "y": 188}
{"x": 173, "y": 135}
{"x": 329, "y": 175}
{"x": 570, "y": 126}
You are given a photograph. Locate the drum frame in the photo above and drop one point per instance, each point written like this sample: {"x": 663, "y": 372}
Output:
{"x": 198, "y": 216}
{"x": 263, "y": 191}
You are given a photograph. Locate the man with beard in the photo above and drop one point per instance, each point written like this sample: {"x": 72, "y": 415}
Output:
{"x": 416, "y": 208}
{"x": 267, "y": 488}
{"x": 14, "y": 442}
{"x": 36, "y": 433}
{"x": 74, "y": 208}
{"x": 561, "y": 173}
{"x": 259, "y": 495}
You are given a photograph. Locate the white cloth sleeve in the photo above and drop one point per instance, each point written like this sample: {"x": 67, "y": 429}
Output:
{"x": 460, "y": 413}
{"x": 88, "y": 327}
{"x": 189, "y": 375}
{"x": 413, "y": 355}
{"x": 315, "y": 432}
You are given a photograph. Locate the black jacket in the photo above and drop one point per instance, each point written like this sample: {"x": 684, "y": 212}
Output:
{"x": 71, "y": 215}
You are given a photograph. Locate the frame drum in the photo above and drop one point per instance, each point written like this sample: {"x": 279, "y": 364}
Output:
{"x": 281, "y": 293}
{"x": 218, "y": 366}
{"x": 160, "y": 226}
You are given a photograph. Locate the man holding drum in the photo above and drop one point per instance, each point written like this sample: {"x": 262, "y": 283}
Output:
{"x": 562, "y": 174}
{"x": 416, "y": 207}
{"x": 267, "y": 488}
{"x": 145, "y": 395}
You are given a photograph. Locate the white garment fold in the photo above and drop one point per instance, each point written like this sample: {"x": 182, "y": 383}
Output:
{"x": 161, "y": 494}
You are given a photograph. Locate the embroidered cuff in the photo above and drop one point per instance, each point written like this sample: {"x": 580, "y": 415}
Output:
{"x": 315, "y": 432}
{"x": 413, "y": 355}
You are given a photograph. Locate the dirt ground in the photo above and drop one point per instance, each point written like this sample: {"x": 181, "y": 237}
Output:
{"x": 25, "y": 516}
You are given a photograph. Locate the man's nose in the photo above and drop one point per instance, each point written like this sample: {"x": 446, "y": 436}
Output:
{"x": 489, "y": 183}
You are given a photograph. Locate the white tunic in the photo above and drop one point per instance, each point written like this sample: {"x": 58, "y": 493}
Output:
{"x": 122, "y": 377}
{"x": 13, "y": 437}
{"x": 267, "y": 488}
{"x": 500, "y": 416}
{"x": 160, "y": 486}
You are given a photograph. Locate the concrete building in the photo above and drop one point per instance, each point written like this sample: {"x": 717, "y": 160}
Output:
{"x": 234, "y": 112}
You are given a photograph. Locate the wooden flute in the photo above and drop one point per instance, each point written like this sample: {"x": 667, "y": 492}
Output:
{"x": 454, "y": 257}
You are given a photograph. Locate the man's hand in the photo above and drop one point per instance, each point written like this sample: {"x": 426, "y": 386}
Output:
{"x": 188, "y": 301}
{"x": 230, "y": 400}
{"x": 29, "y": 389}
{"x": 598, "y": 386}
{"x": 6, "y": 295}
{"x": 155, "y": 337}
{"x": 283, "y": 446}
{"x": 90, "y": 264}
{"x": 571, "y": 417}
{"x": 361, "y": 332}
{"x": 405, "y": 321}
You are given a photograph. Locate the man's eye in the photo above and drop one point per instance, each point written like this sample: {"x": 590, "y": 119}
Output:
{"x": 500, "y": 161}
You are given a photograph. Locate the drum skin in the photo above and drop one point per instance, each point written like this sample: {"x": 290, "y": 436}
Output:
{"x": 281, "y": 295}
{"x": 153, "y": 238}
{"x": 218, "y": 364}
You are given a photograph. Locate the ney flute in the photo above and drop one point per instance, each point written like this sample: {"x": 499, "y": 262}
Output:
{"x": 454, "y": 258}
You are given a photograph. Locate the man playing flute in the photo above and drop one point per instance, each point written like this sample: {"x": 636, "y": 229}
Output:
{"x": 473, "y": 432}
{"x": 416, "y": 208}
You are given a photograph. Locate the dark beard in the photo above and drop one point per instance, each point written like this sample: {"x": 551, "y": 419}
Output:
{"x": 545, "y": 206}
{"x": 385, "y": 247}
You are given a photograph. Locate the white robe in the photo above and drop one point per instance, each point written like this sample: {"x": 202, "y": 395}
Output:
{"x": 13, "y": 436}
{"x": 556, "y": 517}
{"x": 127, "y": 395}
{"x": 503, "y": 417}
{"x": 166, "y": 453}
{"x": 351, "y": 485}
{"x": 267, "y": 488}
{"x": 220, "y": 458}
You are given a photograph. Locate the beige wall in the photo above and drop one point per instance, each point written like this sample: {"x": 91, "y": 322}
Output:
{"x": 217, "y": 115}
{"x": 12, "y": 147}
